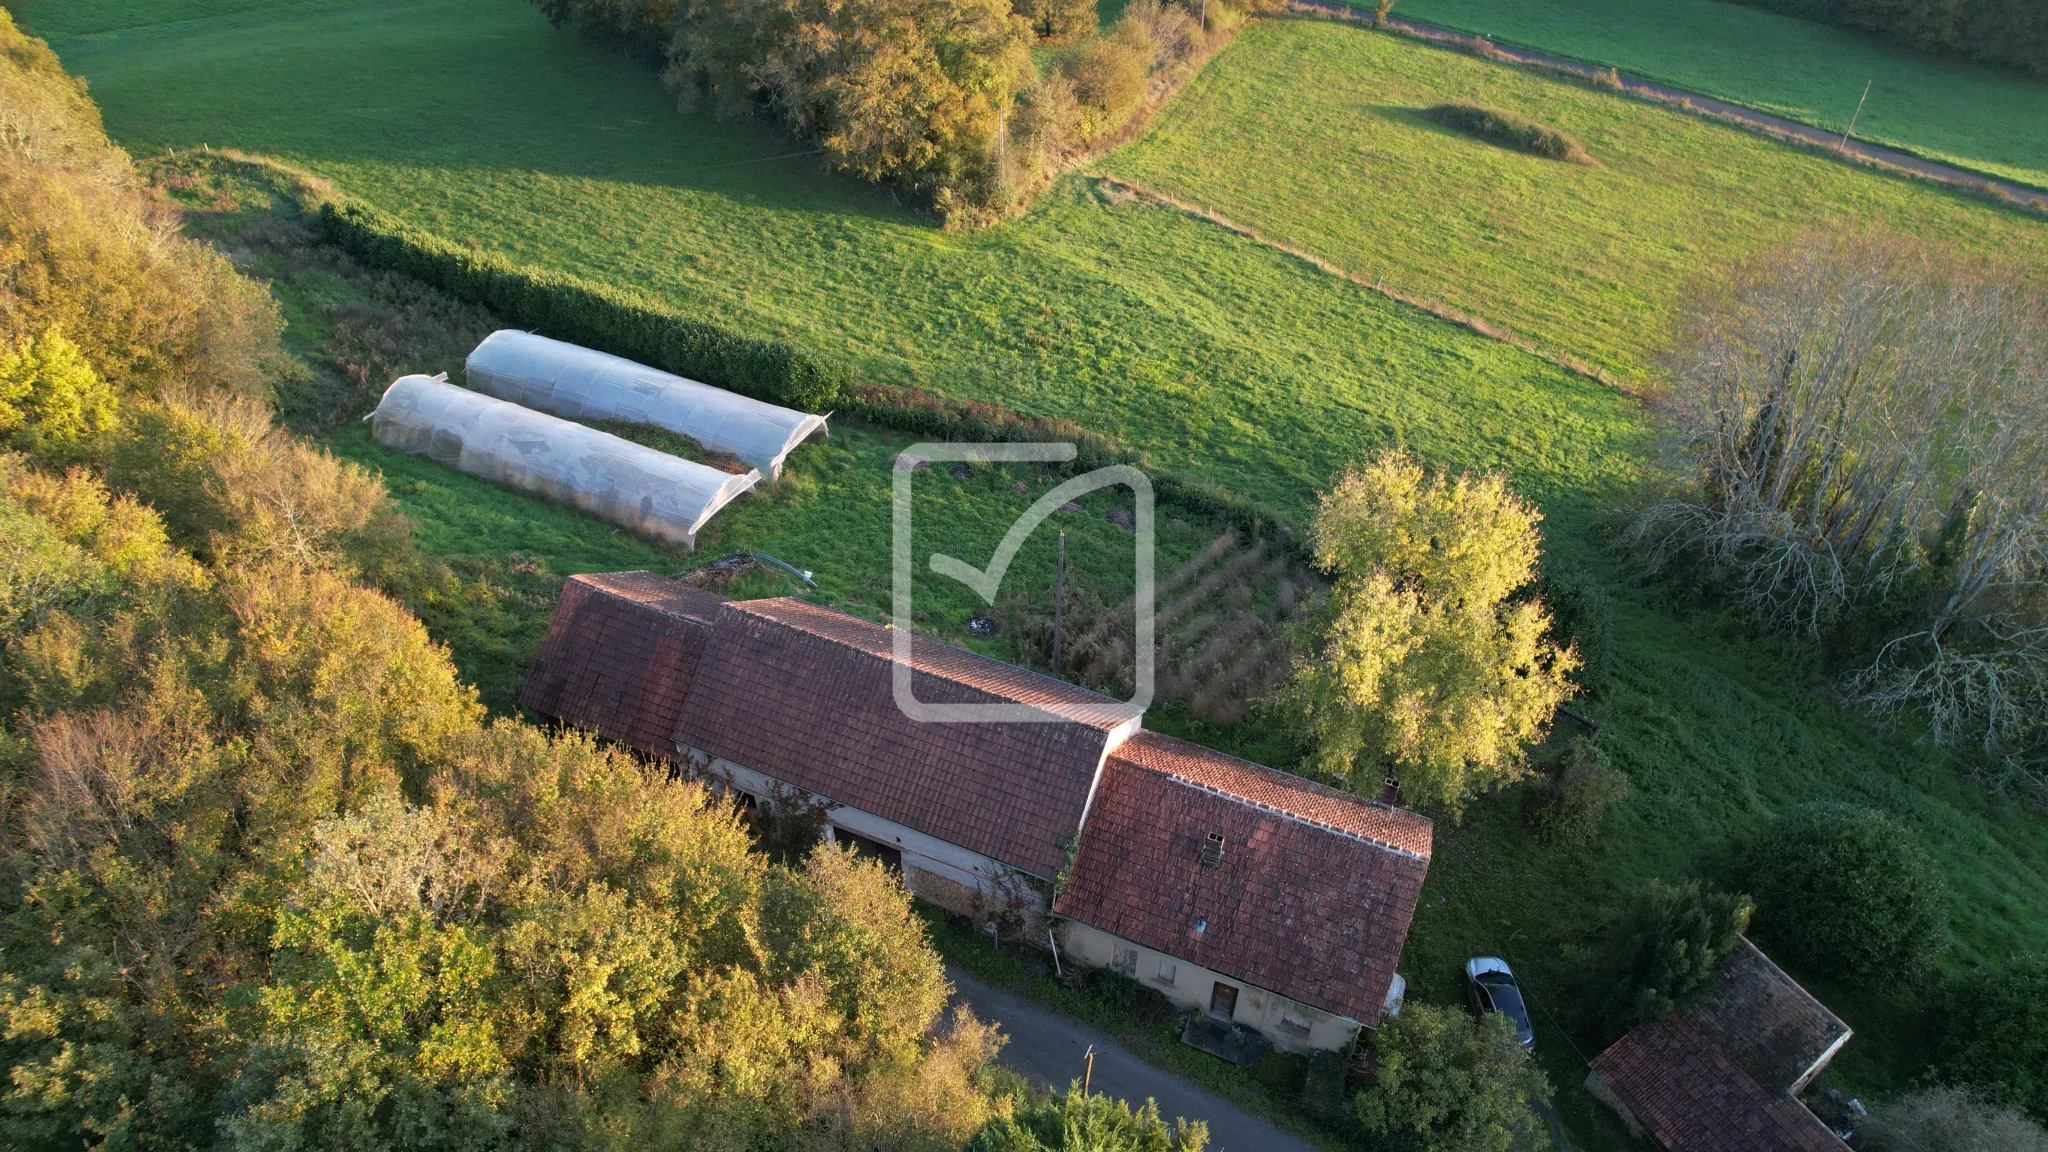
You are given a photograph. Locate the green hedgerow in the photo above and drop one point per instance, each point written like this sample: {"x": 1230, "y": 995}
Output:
{"x": 1510, "y": 131}
{"x": 1850, "y": 888}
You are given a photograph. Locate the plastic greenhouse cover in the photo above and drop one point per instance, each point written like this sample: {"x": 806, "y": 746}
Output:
{"x": 579, "y": 383}
{"x": 652, "y": 493}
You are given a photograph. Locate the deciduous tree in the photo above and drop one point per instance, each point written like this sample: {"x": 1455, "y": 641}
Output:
{"x": 1421, "y": 661}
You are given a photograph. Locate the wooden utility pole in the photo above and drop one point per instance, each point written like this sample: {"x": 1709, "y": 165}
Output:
{"x": 1857, "y": 116}
{"x": 1087, "y": 1070}
{"x": 1059, "y": 600}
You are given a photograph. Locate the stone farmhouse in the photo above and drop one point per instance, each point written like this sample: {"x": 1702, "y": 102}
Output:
{"x": 1260, "y": 898}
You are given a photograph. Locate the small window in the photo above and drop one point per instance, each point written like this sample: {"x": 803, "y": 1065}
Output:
{"x": 1125, "y": 961}
{"x": 1294, "y": 1025}
{"x": 1167, "y": 971}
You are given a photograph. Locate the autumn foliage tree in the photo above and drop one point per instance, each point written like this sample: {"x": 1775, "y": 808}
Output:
{"x": 269, "y": 878}
{"x": 1422, "y": 661}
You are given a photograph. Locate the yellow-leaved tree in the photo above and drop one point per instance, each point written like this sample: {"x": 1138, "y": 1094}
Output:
{"x": 1421, "y": 662}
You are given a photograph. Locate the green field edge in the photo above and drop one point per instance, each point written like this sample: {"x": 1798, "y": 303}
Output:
{"x": 1689, "y": 88}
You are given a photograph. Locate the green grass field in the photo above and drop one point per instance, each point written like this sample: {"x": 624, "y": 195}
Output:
{"x": 1313, "y": 134}
{"x": 1218, "y": 355}
{"x": 1968, "y": 114}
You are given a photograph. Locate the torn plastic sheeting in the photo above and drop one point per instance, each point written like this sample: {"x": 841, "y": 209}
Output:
{"x": 652, "y": 493}
{"x": 579, "y": 383}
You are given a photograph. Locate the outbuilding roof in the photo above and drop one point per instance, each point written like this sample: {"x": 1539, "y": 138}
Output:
{"x": 620, "y": 654}
{"x": 1690, "y": 1096}
{"x": 1723, "y": 1075}
{"x": 1295, "y": 888}
{"x": 805, "y": 694}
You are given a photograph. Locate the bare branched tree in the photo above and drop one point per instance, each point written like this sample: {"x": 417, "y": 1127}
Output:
{"x": 1861, "y": 426}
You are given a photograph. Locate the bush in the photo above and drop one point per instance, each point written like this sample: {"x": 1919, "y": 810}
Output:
{"x": 622, "y": 323}
{"x": 1091, "y": 1123}
{"x": 1510, "y": 131}
{"x": 1949, "y": 1120}
{"x": 1994, "y": 1034}
{"x": 1849, "y": 888}
{"x": 1568, "y": 809}
{"x": 1445, "y": 1080}
{"x": 1667, "y": 947}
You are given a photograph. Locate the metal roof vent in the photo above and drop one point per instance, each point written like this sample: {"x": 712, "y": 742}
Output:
{"x": 1212, "y": 852}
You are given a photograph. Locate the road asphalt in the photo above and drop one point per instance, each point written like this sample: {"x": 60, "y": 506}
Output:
{"x": 1046, "y": 1048}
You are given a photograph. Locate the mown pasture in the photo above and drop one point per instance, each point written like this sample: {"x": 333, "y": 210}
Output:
{"x": 1316, "y": 135}
{"x": 1972, "y": 115}
{"x": 1215, "y": 353}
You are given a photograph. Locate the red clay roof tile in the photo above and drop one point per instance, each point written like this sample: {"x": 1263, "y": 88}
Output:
{"x": 619, "y": 656}
{"x": 805, "y": 695}
{"x": 1300, "y": 905}
{"x": 1688, "y": 1094}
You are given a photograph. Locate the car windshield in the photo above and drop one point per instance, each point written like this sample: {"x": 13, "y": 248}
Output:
{"x": 1508, "y": 999}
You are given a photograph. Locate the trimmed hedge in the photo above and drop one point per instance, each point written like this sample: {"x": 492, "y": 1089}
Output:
{"x": 595, "y": 315}
{"x": 1510, "y": 131}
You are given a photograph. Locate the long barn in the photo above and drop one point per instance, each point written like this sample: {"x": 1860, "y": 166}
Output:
{"x": 1261, "y": 899}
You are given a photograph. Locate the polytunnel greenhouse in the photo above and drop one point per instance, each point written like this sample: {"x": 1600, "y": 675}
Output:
{"x": 579, "y": 383}
{"x": 652, "y": 493}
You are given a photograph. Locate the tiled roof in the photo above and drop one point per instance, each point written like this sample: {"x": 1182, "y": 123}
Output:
{"x": 1691, "y": 1097}
{"x": 1001, "y": 682}
{"x": 804, "y": 694}
{"x": 620, "y": 654}
{"x": 1765, "y": 1022}
{"x": 1301, "y": 908}
{"x": 1262, "y": 786}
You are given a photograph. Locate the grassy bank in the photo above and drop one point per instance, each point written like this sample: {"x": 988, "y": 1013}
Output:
{"x": 1972, "y": 115}
{"x": 1317, "y": 135}
{"x": 1219, "y": 355}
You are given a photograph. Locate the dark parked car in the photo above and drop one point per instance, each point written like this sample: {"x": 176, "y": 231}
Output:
{"x": 1492, "y": 987}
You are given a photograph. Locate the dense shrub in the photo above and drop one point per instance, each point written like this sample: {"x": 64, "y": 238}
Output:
{"x": 1568, "y": 808}
{"x": 1091, "y": 1123}
{"x": 1444, "y": 1080}
{"x": 620, "y": 322}
{"x": 2011, "y": 32}
{"x": 1994, "y": 1034}
{"x": 1510, "y": 131}
{"x": 1949, "y": 1120}
{"x": 1849, "y": 889}
{"x": 1666, "y": 948}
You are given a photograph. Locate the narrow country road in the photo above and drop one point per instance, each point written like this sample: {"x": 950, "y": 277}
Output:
{"x": 1046, "y": 1049}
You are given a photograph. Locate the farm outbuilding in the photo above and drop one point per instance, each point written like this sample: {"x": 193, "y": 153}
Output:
{"x": 652, "y": 493}
{"x": 578, "y": 383}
